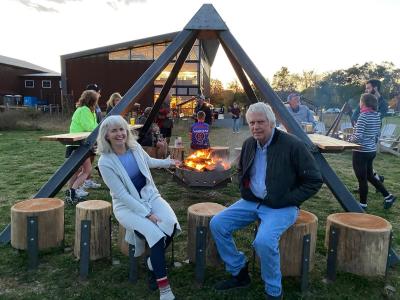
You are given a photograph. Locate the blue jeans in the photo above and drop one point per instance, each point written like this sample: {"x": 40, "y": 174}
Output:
{"x": 236, "y": 125}
{"x": 274, "y": 223}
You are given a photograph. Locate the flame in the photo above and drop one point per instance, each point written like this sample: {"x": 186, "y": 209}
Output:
{"x": 203, "y": 160}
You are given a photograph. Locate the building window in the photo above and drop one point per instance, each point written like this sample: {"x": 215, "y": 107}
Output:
{"x": 142, "y": 53}
{"x": 120, "y": 55}
{"x": 193, "y": 91}
{"x": 182, "y": 91}
{"x": 159, "y": 48}
{"x": 60, "y": 84}
{"x": 30, "y": 84}
{"x": 46, "y": 84}
{"x": 188, "y": 74}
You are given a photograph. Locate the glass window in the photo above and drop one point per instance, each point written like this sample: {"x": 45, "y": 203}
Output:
{"x": 46, "y": 84}
{"x": 188, "y": 74}
{"x": 159, "y": 48}
{"x": 30, "y": 84}
{"x": 193, "y": 91}
{"x": 182, "y": 91}
{"x": 162, "y": 78}
{"x": 194, "y": 53}
{"x": 142, "y": 53}
{"x": 119, "y": 55}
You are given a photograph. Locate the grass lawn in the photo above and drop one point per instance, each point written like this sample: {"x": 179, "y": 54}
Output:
{"x": 26, "y": 164}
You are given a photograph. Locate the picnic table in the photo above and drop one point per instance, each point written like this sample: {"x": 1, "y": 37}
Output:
{"x": 75, "y": 138}
{"x": 329, "y": 144}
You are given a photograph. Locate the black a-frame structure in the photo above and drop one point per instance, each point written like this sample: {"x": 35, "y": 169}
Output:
{"x": 207, "y": 24}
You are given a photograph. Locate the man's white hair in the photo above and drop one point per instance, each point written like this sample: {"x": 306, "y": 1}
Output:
{"x": 263, "y": 108}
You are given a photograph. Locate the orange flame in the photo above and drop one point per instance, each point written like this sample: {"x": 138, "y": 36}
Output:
{"x": 202, "y": 160}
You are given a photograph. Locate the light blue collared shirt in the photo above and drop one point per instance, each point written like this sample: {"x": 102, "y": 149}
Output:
{"x": 258, "y": 171}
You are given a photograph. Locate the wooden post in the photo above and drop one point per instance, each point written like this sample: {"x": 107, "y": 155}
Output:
{"x": 200, "y": 214}
{"x": 291, "y": 244}
{"x": 363, "y": 242}
{"x": 98, "y": 212}
{"x": 50, "y": 215}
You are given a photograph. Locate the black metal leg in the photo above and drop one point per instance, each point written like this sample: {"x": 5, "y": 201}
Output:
{"x": 305, "y": 262}
{"x": 332, "y": 253}
{"x": 201, "y": 236}
{"x": 32, "y": 242}
{"x": 84, "y": 250}
{"x": 5, "y": 235}
{"x": 133, "y": 266}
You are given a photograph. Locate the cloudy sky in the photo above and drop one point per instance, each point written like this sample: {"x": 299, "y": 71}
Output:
{"x": 320, "y": 35}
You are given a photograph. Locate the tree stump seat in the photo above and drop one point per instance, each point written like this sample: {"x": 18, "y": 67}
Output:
{"x": 50, "y": 216}
{"x": 177, "y": 152}
{"x": 99, "y": 214}
{"x": 200, "y": 214}
{"x": 363, "y": 242}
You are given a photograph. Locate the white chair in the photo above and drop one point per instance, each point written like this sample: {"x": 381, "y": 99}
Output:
{"x": 388, "y": 142}
{"x": 320, "y": 128}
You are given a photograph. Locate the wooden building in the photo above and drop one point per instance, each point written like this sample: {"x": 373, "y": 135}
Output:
{"x": 116, "y": 68}
{"x": 18, "y": 77}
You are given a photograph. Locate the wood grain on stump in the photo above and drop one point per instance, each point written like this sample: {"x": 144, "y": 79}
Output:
{"x": 291, "y": 244}
{"x": 98, "y": 212}
{"x": 50, "y": 213}
{"x": 200, "y": 214}
{"x": 363, "y": 242}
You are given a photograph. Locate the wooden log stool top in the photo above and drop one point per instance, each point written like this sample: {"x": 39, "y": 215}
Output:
{"x": 50, "y": 214}
{"x": 176, "y": 152}
{"x": 363, "y": 242}
{"x": 291, "y": 244}
{"x": 200, "y": 214}
{"x": 220, "y": 152}
{"x": 99, "y": 213}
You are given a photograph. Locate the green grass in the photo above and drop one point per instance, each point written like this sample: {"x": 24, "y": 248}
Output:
{"x": 26, "y": 164}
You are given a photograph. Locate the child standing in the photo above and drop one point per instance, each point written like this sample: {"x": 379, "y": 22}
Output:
{"x": 199, "y": 133}
{"x": 366, "y": 134}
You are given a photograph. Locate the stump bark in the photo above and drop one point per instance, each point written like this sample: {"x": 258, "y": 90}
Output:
{"x": 99, "y": 213}
{"x": 176, "y": 152}
{"x": 291, "y": 244}
{"x": 50, "y": 213}
{"x": 220, "y": 152}
{"x": 363, "y": 242}
{"x": 200, "y": 214}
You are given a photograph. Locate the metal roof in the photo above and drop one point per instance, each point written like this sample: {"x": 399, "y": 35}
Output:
{"x": 210, "y": 46}
{"x": 5, "y": 60}
{"x": 49, "y": 74}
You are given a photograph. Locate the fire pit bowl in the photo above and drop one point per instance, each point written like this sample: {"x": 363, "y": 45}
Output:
{"x": 202, "y": 179}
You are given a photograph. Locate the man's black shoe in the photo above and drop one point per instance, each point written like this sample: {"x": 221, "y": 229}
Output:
{"x": 240, "y": 280}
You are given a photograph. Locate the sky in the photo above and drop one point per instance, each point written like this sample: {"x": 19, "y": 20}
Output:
{"x": 319, "y": 35}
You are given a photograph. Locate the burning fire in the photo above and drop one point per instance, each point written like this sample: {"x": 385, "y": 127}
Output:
{"x": 203, "y": 160}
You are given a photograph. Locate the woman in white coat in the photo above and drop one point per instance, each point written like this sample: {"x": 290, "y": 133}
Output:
{"x": 137, "y": 204}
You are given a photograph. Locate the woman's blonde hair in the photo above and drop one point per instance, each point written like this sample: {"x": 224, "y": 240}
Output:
{"x": 110, "y": 101}
{"x": 88, "y": 98}
{"x": 103, "y": 145}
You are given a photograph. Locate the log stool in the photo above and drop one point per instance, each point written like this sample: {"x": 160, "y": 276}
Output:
{"x": 357, "y": 243}
{"x": 220, "y": 152}
{"x": 37, "y": 224}
{"x": 176, "y": 152}
{"x": 297, "y": 247}
{"x": 201, "y": 248}
{"x": 98, "y": 213}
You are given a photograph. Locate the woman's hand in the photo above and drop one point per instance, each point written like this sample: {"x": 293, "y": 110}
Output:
{"x": 175, "y": 163}
{"x": 153, "y": 218}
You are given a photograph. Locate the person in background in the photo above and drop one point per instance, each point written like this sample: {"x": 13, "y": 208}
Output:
{"x": 83, "y": 120}
{"x": 277, "y": 173}
{"x": 366, "y": 134}
{"x": 203, "y": 106}
{"x": 143, "y": 118}
{"x": 300, "y": 112}
{"x": 114, "y": 99}
{"x": 199, "y": 131}
{"x": 373, "y": 86}
{"x": 235, "y": 112}
{"x": 137, "y": 204}
{"x": 89, "y": 182}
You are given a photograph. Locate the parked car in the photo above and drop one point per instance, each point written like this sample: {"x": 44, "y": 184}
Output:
{"x": 332, "y": 110}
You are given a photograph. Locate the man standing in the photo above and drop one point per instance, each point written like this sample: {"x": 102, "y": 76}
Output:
{"x": 276, "y": 174}
{"x": 373, "y": 86}
{"x": 300, "y": 113}
{"x": 202, "y": 106}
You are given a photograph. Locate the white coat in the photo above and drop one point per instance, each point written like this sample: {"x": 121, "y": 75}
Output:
{"x": 129, "y": 207}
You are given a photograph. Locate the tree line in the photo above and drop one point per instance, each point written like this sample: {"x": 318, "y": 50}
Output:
{"x": 329, "y": 89}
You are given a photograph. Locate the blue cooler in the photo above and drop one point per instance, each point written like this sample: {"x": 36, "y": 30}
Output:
{"x": 30, "y": 101}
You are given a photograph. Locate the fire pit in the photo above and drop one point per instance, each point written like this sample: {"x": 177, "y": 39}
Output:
{"x": 204, "y": 169}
